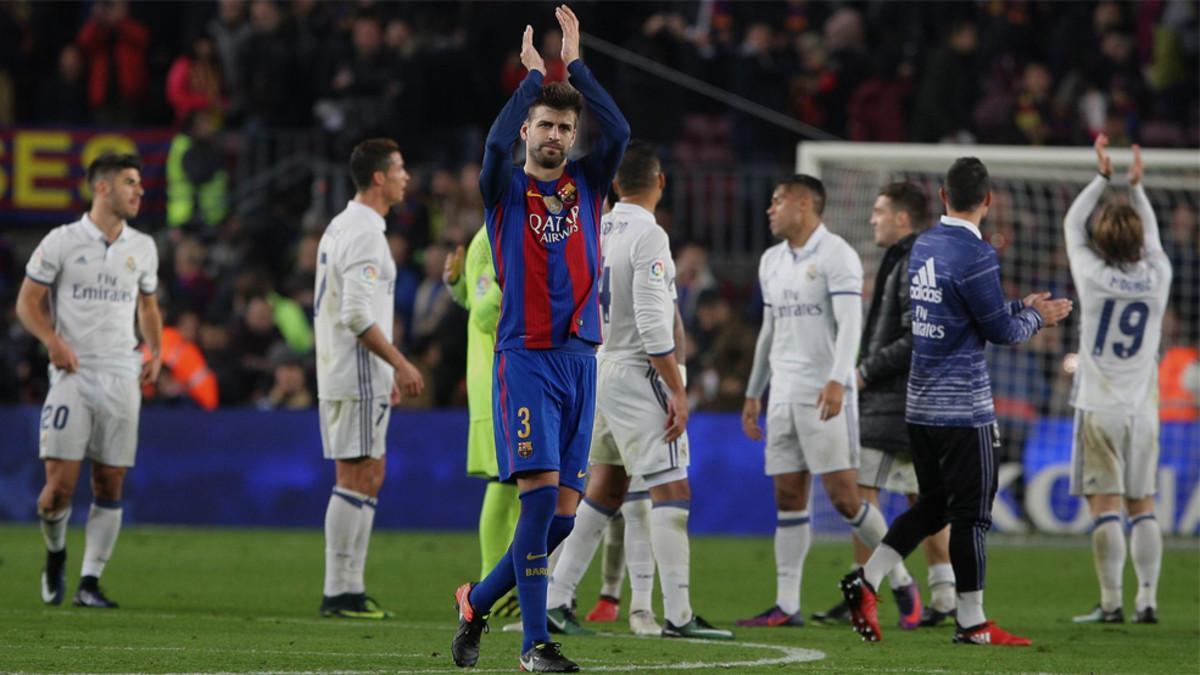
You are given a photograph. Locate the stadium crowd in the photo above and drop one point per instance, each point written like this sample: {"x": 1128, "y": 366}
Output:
{"x": 238, "y": 286}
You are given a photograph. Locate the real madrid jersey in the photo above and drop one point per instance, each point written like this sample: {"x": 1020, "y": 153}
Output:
{"x": 356, "y": 282}
{"x": 637, "y": 287}
{"x": 797, "y": 287}
{"x": 94, "y": 289}
{"x": 1121, "y": 313}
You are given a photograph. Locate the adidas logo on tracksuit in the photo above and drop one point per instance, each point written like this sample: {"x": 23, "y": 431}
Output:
{"x": 924, "y": 284}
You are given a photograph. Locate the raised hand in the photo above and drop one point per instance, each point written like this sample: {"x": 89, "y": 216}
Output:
{"x": 570, "y": 33}
{"x": 454, "y": 266}
{"x": 1103, "y": 161}
{"x": 530, "y": 58}
{"x": 1135, "y": 169}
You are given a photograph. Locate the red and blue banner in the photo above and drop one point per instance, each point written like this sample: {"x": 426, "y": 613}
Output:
{"x": 43, "y": 170}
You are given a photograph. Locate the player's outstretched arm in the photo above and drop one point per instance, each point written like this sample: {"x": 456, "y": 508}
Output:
{"x": 601, "y": 164}
{"x": 1152, "y": 244}
{"x": 496, "y": 172}
{"x": 1083, "y": 259}
{"x": 455, "y": 280}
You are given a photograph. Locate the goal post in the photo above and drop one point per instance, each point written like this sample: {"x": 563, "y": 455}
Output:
{"x": 1032, "y": 190}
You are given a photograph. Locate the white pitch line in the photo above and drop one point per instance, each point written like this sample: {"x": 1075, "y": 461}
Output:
{"x": 283, "y": 652}
{"x": 788, "y": 655}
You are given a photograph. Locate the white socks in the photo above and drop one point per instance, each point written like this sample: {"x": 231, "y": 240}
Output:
{"x": 868, "y": 524}
{"x": 1145, "y": 546}
{"x": 613, "y": 557}
{"x": 343, "y": 525}
{"x": 970, "y": 609}
{"x": 880, "y": 563}
{"x": 103, "y": 526}
{"x": 54, "y": 529}
{"x": 576, "y": 554}
{"x": 669, "y": 540}
{"x": 1108, "y": 551}
{"x": 638, "y": 554}
{"x": 358, "y": 563}
{"x": 941, "y": 587}
{"x": 793, "y": 536}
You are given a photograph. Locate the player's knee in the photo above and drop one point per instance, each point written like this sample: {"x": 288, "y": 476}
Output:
{"x": 788, "y": 499}
{"x": 55, "y": 497}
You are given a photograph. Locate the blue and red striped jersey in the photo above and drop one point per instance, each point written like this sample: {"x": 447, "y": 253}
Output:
{"x": 545, "y": 235}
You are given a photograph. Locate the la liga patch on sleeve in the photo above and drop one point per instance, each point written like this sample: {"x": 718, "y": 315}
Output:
{"x": 658, "y": 270}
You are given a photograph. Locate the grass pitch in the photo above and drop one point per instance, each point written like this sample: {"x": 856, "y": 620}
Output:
{"x": 207, "y": 600}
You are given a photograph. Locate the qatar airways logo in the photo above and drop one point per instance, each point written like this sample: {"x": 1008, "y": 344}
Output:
{"x": 551, "y": 228}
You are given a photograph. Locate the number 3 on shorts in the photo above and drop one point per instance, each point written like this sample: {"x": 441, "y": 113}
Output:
{"x": 523, "y": 413}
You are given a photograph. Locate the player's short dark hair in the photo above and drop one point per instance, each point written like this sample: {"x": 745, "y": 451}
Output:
{"x": 909, "y": 198}
{"x": 109, "y": 163}
{"x": 639, "y": 168}
{"x": 373, "y": 154}
{"x": 811, "y": 183}
{"x": 967, "y": 184}
{"x": 558, "y": 96}
{"x": 1118, "y": 235}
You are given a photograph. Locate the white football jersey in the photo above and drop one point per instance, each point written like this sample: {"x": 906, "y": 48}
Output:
{"x": 94, "y": 289}
{"x": 355, "y": 288}
{"x": 637, "y": 287}
{"x": 1121, "y": 314}
{"x": 797, "y": 287}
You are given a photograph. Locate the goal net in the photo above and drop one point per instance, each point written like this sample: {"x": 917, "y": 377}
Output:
{"x": 1032, "y": 189}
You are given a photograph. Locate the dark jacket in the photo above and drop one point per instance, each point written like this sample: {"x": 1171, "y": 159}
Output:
{"x": 886, "y": 353}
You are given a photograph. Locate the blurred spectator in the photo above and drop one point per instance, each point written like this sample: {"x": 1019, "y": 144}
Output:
{"x": 408, "y": 278}
{"x": 268, "y": 70}
{"x": 197, "y": 182}
{"x": 949, "y": 89}
{"x": 63, "y": 98}
{"x": 115, "y": 47}
{"x": 726, "y": 347}
{"x": 229, "y": 30}
{"x": 194, "y": 83}
{"x": 358, "y": 88}
{"x": 693, "y": 276}
{"x": 289, "y": 391}
{"x": 190, "y": 285}
{"x": 432, "y": 301}
{"x": 185, "y": 373}
{"x": 254, "y": 335}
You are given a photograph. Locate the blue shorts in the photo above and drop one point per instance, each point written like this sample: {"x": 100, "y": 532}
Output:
{"x": 544, "y": 403}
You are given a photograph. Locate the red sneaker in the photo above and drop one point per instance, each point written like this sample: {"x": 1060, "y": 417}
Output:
{"x": 988, "y": 633}
{"x": 860, "y": 597}
{"x": 607, "y": 609}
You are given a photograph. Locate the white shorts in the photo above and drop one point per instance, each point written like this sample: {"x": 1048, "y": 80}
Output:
{"x": 91, "y": 414}
{"x": 1114, "y": 454}
{"x": 883, "y": 471}
{"x": 631, "y": 418}
{"x": 797, "y": 439}
{"x": 355, "y": 429}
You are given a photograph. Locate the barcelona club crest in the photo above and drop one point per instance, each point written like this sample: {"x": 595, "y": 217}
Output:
{"x": 525, "y": 448}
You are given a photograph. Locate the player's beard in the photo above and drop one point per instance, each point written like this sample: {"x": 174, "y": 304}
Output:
{"x": 547, "y": 162}
{"x": 122, "y": 210}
